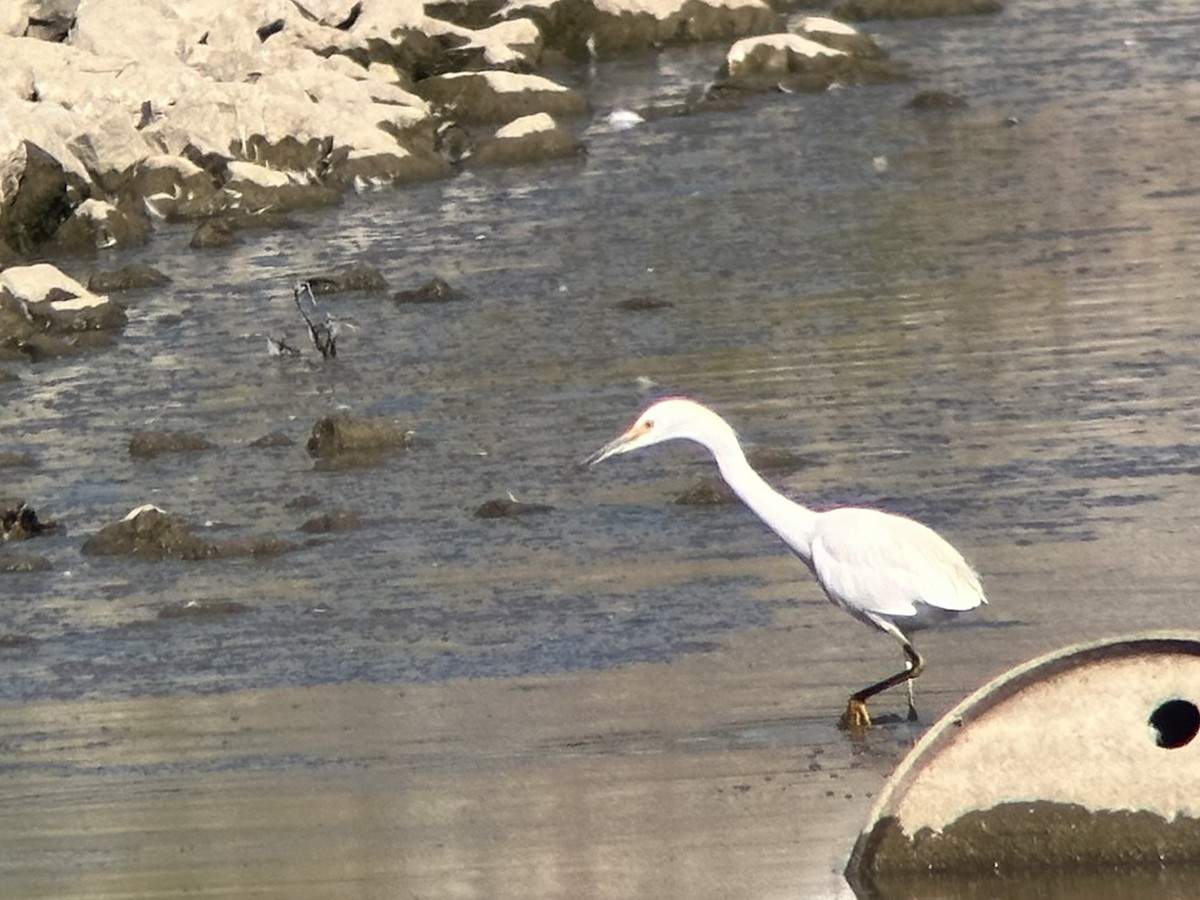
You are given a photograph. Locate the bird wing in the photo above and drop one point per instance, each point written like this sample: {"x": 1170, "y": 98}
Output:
{"x": 874, "y": 562}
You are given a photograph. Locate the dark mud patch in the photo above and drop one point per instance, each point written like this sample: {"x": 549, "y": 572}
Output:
{"x": 643, "y": 303}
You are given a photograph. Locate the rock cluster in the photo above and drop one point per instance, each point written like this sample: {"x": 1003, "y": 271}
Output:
{"x": 44, "y": 313}
{"x": 150, "y": 533}
{"x": 120, "y": 112}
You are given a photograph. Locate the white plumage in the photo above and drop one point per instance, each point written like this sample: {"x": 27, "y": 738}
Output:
{"x": 886, "y": 570}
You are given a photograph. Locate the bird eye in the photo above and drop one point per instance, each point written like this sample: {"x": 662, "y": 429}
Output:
{"x": 649, "y": 424}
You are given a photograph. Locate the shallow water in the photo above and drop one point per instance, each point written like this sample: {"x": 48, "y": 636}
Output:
{"x": 984, "y": 319}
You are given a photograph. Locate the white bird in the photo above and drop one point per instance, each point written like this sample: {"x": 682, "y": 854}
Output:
{"x": 886, "y": 570}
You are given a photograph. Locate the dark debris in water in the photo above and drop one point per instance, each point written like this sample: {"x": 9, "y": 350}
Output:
{"x": 643, "y": 303}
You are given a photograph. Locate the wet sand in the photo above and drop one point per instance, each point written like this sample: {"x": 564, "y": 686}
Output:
{"x": 718, "y": 775}
{"x": 1006, "y": 350}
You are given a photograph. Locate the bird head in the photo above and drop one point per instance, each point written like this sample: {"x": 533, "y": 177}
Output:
{"x": 673, "y": 418}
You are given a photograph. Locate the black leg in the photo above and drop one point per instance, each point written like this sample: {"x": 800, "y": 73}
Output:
{"x": 856, "y": 718}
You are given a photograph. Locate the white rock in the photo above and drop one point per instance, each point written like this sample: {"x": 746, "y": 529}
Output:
{"x": 531, "y": 124}
{"x": 257, "y": 175}
{"x": 824, "y": 25}
{"x": 99, "y": 210}
{"x": 801, "y": 46}
{"x": 512, "y": 41}
{"x": 510, "y": 82}
{"x": 32, "y": 284}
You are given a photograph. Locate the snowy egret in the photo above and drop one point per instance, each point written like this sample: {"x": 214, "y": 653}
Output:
{"x": 886, "y": 570}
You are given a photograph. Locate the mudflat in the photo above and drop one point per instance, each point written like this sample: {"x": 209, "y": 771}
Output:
{"x": 720, "y": 774}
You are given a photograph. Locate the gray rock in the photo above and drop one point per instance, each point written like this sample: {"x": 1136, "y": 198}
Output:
{"x": 149, "y": 533}
{"x": 149, "y": 444}
{"x": 127, "y": 278}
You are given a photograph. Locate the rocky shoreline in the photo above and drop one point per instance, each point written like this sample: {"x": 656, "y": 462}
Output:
{"x": 123, "y": 112}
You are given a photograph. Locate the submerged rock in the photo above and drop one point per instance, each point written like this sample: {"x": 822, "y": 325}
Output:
{"x": 643, "y": 303}
{"x": 707, "y": 492}
{"x": 148, "y": 444}
{"x": 303, "y": 501}
{"x": 343, "y": 436}
{"x": 10, "y": 459}
{"x": 527, "y": 139}
{"x": 214, "y": 234}
{"x": 713, "y": 491}
{"x": 11, "y": 563}
{"x": 937, "y": 100}
{"x": 19, "y": 521}
{"x": 347, "y": 520}
{"x": 150, "y": 533}
{"x": 436, "y": 290}
{"x": 202, "y": 609}
{"x": 127, "y": 278}
{"x": 508, "y": 508}
{"x": 272, "y": 440}
{"x": 357, "y": 278}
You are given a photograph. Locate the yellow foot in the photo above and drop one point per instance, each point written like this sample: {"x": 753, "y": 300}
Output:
{"x": 855, "y": 719}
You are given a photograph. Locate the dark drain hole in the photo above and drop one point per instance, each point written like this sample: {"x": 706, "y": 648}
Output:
{"x": 1177, "y": 722}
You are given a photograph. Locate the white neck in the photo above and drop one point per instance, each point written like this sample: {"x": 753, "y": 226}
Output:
{"x": 792, "y": 521}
